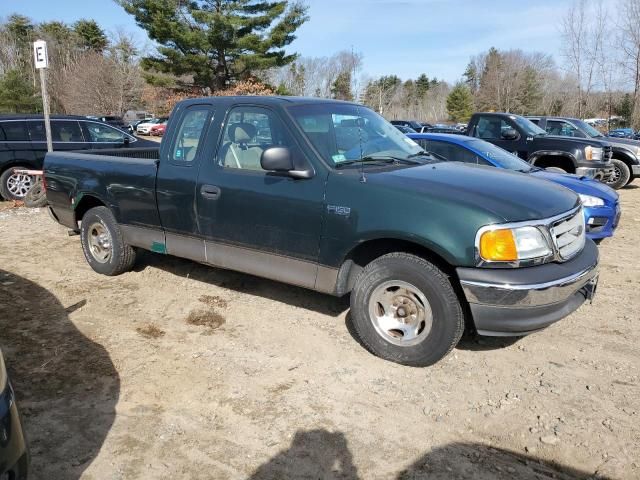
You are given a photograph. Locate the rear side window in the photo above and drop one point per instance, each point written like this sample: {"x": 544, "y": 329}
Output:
{"x": 13, "y": 131}
{"x": 66, "y": 131}
{"x": 37, "y": 132}
{"x": 190, "y": 135}
{"x": 453, "y": 153}
{"x": 490, "y": 128}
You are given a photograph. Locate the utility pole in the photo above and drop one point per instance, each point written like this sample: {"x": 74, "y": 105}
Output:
{"x": 42, "y": 63}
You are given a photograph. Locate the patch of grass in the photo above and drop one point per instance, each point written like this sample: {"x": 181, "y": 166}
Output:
{"x": 206, "y": 318}
{"x": 150, "y": 331}
{"x": 213, "y": 301}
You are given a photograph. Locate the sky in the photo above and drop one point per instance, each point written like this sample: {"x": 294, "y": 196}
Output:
{"x": 402, "y": 37}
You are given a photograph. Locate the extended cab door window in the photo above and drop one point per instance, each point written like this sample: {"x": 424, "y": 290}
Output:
{"x": 189, "y": 138}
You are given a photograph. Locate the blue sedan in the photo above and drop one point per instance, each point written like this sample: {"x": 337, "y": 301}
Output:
{"x": 600, "y": 202}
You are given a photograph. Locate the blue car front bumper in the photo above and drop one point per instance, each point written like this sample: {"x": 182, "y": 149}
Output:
{"x": 602, "y": 221}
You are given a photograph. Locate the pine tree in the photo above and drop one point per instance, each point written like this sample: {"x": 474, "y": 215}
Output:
{"x": 90, "y": 35}
{"x": 217, "y": 41}
{"x": 17, "y": 94}
{"x": 422, "y": 85}
{"x": 460, "y": 103}
{"x": 341, "y": 87}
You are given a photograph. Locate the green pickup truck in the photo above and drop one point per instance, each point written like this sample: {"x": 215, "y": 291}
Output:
{"x": 329, "y": 196}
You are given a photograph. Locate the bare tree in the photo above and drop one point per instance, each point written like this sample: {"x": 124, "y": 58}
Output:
{"x": 629, "y": 40}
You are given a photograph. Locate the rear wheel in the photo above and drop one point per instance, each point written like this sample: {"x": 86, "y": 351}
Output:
{"x": 15, "y": 186}
{"x": 103, "y": 245}
{"x": 620, "y": 176}
{"x": 405, "y": 310}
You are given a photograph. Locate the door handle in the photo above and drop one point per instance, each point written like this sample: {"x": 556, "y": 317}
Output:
{"x": 210, "y": 191}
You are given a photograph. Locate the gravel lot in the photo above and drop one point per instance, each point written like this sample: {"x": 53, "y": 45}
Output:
{"x": 178, "y": 370}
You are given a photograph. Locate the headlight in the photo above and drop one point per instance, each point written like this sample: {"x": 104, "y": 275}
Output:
{"x": 591, "y": 153}
{"x": 512, "y": 244}
{"x": 3, "y": 374}
{"x": 591, "y": 201}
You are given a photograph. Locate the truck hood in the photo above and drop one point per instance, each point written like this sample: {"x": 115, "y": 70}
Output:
{"x": 556, "y": 139}
{"x": 511, "y": 196}
{"x": 583, "y": 185}
{"x": 626, "y": 143}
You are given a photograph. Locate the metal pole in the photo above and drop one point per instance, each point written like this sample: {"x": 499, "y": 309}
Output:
{"x": 45, "y": 104}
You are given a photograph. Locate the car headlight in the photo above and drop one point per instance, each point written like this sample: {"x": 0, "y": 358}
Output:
{"x": 513, "y": 244}
{"x": 591, "y": 201}
{"x": 3, "y": 374}
{"x": 591, "y": 153}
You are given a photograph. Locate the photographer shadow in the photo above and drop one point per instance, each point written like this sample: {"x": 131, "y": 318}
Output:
{"x": 66, "y": 385}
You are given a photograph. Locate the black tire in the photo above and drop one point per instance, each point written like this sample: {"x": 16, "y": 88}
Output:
{"x": 621, "y": 175}
{"x": 555, "y": 170}
{"x": 119, "y": 257}
{"x": 631, "y": 179}
{"x": 447, "y": 323}
{"x": 36, "y": 197}
{"x": 5, "y": 188}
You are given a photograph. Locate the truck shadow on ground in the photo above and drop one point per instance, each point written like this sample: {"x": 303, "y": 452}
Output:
{"x": 66, "y": 385}
{"x": 245, "y": 283}
{"x": 323, "y": 454}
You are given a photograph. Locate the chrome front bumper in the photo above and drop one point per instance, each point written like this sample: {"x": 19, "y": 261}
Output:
{"x": 522, "y": 300}
{"x": 595, "y": 173}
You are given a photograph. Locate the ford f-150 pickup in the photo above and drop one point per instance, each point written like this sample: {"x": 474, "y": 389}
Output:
{"x": 329, "y": 196}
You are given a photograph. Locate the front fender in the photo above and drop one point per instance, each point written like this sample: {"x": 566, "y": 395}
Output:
{"x": 535, "y": 156}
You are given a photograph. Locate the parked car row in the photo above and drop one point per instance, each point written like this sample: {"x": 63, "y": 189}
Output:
{"x": 23, "y": 145}
{"x": 144, "y": 128}
{"x": 329, "y": 196}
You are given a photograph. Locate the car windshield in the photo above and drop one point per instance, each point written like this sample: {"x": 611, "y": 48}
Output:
{"x": 530, "y": 128}
{"x": 592, "y": 132}
{"x": 344, "y": 133}
{"x": 499, "y": 156}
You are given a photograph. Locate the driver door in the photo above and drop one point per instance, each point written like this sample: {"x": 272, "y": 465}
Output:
{"x": 256, "y": 221}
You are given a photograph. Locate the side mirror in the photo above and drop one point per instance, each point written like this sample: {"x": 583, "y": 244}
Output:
{"x": 276, "y": 159}
{"x": 279, "y": 159}
{"x": 509, "y": 134}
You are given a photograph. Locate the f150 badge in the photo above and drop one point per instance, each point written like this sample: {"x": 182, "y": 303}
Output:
{"x": 339, "y": 210}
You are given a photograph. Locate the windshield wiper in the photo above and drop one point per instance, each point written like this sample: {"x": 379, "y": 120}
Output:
{"x": 384, "y": 159}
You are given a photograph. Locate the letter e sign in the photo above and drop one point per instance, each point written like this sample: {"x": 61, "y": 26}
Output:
{"x": 40, "y": 54}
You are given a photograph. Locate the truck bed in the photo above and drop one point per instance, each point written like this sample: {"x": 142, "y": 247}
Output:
{"x": 124, "y": 179}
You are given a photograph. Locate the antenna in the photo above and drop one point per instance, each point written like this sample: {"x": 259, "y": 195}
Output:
{"x": 363, "y": 178}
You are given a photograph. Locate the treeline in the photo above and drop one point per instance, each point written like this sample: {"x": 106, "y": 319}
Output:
{"x": 227, "y": 47}
{"x": 90, "y": 72}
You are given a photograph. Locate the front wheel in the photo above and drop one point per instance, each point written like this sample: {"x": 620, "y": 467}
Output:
{"x": 103, "y": 245}
{"x": 620, "y": 176}
{"x": 13, "y": 185}
{"x": 404, "y": 309}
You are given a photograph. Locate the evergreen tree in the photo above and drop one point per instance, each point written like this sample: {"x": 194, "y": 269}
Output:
{"x": 471, "y": 77}
{"x": 90, "y": 35}
{"x": 530, "y": 95}
{"x": 625, "y": 108}
{"x": 341, "y": 87}
{"x": 217, "y": 41}
{"x": 422, "y": 86}
{"x": 17, "y": 94}
{"x": 460, "y": 103}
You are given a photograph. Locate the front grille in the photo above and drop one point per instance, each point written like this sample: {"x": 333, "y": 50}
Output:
{"x": 607, "y": 153}
{"x": 568, "y": 235}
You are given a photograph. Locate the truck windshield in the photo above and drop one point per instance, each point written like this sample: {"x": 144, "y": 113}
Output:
{"x": 499, "y": 156}
{"x": 344, "y": 133}
{"x": 530, "y": 128}
{"x": 588, "y": 129}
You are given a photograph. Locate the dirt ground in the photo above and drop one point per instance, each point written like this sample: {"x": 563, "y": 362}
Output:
{"x": 177, "y": 370}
